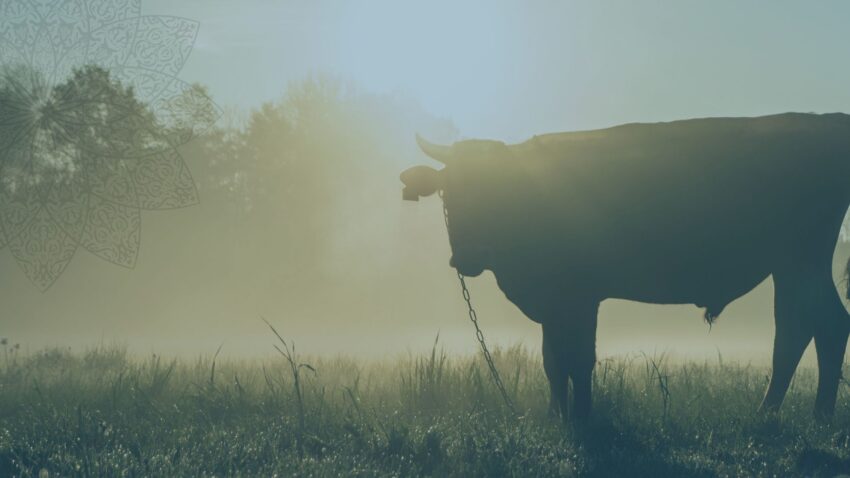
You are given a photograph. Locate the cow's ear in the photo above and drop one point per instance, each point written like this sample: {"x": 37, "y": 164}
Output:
{"x": 421, "y": 181}
{"x": 439, "y": 152}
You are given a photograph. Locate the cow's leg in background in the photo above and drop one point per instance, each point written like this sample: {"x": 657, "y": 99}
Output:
{"x": 832, "y": 325}
{"x": 569, "y": 352}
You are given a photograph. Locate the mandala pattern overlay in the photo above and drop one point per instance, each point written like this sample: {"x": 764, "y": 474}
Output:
{"x": 77, "y": 165}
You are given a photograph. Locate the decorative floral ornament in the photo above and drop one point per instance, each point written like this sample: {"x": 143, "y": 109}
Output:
{"x": 91, "y": 117}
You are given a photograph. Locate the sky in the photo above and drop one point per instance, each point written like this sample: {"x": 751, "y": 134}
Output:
{"x": 498, "y": 69}
{"x": 509, "y": 69}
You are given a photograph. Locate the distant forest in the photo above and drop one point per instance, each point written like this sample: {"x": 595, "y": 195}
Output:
{"x": 303, "y": 192}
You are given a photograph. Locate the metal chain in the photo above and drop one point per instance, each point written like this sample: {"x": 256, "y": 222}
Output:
{"x": 473, "y": 317}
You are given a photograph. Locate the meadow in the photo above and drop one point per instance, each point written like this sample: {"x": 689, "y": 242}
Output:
{"x": 105, "y": 412}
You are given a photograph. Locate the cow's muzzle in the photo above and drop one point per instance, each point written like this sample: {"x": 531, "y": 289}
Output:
{"x": 420, "y": 181}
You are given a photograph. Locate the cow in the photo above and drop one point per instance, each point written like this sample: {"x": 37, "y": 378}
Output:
{"x": 697, "y": 211}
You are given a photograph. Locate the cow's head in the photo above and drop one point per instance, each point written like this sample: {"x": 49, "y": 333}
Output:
{"x": 473, "y": 182}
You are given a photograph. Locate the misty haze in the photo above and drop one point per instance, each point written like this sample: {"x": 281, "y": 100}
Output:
{"x": 210, "y": 231}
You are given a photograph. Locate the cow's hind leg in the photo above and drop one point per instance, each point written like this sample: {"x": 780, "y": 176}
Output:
{"x": 793, "y": 334}
{"x": 807, "y": 305}
{"x": 832, "y": 326}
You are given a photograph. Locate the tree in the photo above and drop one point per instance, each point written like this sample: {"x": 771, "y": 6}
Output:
{"x": 79, "y": 160}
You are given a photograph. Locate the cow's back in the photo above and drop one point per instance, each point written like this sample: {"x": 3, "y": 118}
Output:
{"x": 688, "y": 211}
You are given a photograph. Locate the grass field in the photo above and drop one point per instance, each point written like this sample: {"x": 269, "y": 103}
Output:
{"x": 102, "y": 412}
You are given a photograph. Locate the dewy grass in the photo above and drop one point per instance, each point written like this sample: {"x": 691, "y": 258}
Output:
{"x": 103, "y": 412}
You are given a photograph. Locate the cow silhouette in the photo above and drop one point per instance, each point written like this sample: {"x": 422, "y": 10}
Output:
{"x": 697, "y": 211}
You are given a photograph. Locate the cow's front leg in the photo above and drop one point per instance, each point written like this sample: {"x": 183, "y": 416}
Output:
{"x": 581, "y": 349}
{"x": 569, "y": 352}
{"x": 555, "y": 366}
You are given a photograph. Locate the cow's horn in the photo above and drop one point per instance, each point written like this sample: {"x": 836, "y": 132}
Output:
{"x": 439, "y": 152}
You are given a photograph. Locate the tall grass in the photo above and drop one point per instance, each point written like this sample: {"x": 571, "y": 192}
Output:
{"x": 103, "y": 412}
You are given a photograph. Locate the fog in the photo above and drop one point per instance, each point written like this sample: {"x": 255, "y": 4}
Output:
{"x": 300, "y": 219}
